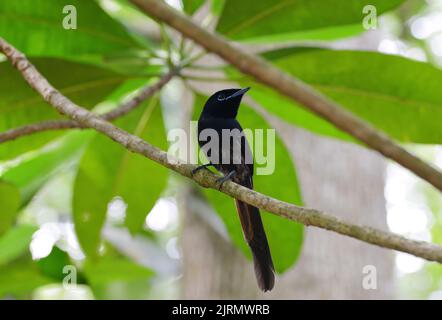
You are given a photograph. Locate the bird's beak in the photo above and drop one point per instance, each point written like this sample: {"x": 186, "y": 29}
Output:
{"x": 238, "y": 93}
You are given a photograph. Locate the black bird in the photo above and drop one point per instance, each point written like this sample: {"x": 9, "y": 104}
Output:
{"x": 232, "y": 157}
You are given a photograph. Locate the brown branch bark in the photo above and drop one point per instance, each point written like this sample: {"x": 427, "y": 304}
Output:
{"x": 292, "y": 88}
{"x": 123, "y": 109}
{"x": 205, "y": 178}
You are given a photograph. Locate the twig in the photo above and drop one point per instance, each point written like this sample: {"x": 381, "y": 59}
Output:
{"x": 293, "y": 88}
{"x": 207, "y": 179}
{"x": 209, "y": 78}
{"x": 191, "y": 60}
{"x": 123, "y": 109}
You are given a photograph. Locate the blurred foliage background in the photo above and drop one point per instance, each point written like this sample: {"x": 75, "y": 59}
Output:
{"x": 74, "y": 207}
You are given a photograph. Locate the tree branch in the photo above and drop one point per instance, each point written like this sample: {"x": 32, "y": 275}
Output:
{"x": 205, "y": 178}
{"x": 293, "y": 88}
{"x": 123, "y": 109}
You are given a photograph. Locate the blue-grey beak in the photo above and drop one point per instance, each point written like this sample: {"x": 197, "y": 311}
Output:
{"x": 238, "y": 93}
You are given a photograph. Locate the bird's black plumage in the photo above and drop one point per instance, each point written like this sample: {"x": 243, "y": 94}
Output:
{"x": 219, "y": 114}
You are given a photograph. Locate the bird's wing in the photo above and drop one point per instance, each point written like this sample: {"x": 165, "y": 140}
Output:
{"x": 241, "y": 153}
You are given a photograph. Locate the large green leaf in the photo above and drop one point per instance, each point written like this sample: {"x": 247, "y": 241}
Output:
{"x": 15, "y": 243}
{"x": 20, "y": 105}
{"x": 111, "y": 269}
{"x": 108, "y": 170}
{"x": 18, "y": 275}
{"x": 33, "y": 172}
{"x": 9, "y": 204}
{"x": 20, "y": 279}
{"x": 36, "y": 28}
{"x": 273, "y": 20}
{"x": 285, "y": 237}
{"x": 52, "y": 265}
{"x": 191, "y": 6}
{"x": 397, "y": 95}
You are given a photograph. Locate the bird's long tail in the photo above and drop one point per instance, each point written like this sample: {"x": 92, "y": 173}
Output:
{"x": 255, "y": 236}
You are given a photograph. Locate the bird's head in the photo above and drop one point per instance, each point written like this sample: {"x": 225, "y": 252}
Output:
{"x": 224, "y": 103}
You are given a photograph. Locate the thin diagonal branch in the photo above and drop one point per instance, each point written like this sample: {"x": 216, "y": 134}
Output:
{"x": 123, "y": 109}
{"x": 293, "y": 88}
{"x": 207, "y": 179}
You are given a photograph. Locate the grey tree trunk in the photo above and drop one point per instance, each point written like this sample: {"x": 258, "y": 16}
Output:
{"x": 340, "y": 178}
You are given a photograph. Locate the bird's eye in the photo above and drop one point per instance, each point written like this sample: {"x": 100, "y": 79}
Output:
{"x": 221, "y": 97}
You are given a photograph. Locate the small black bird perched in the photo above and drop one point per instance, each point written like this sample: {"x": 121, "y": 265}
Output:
{"x": 219, "y": 114}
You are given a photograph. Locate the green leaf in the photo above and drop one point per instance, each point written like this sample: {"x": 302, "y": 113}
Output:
{"x": 9, "y": 205}
{"x": 20, "y": 279}
{"x": 20, "y": 105}
{"x": 293, "y": 113}
{"x": 397, "y": 95}
{"x": 108, "y": 170}
{"x": 191, "y": 6}
{"x": 279, "y": 20}
{"x": 31, "y": 174}
{"x": 52, "y": 266}
{"x": 285, "y": 237}
{"x": 36, "y": 28}
{"x": 107, "y": 270}
{"x": 217, "y": 7}
{"x": 15, "y": 243}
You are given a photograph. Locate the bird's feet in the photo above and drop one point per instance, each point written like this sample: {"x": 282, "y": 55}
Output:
{"x": 221, "y": 180}
{"x": 201, "y": 167}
